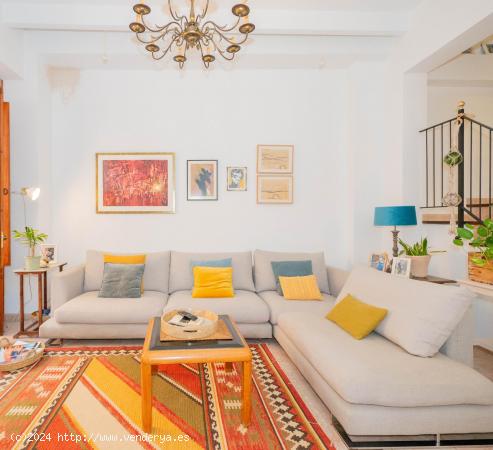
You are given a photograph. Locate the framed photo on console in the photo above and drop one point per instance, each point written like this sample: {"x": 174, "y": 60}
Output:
{"x": 202, "y": 179}
{"x": 401, "y": 267}
{"x": 49, "y": 254}
{"x": 277, "y": 159}
{"x": 135, "y": 183}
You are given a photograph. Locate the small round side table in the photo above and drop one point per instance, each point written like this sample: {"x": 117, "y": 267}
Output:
{"x": 42, "y": 275}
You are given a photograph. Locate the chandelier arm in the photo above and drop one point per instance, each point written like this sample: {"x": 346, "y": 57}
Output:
{"x": 159, "y": 29}
{"x": 206, "y": 65}
{"x": 154, "y": 39}
{"x": 221, "y": 52}
{"x": 173, "y": 13}
{"x": 164, "y": 52}
{"x": 230, "y": 40}
{"x": 224, "y": 29}
{"x": 204, "y": 12}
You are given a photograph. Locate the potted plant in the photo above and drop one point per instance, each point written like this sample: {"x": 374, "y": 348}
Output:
{"x": 31, "y": 238}
{"x": 419, "y": 256}
{"x": 480, "y": 261}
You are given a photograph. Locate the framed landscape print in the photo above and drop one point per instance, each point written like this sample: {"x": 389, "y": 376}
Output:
{"x": 202, "y": 179}
{"x": 274, "y": 189}
{"x": 275, "y": 159}
{"x": 236, "y": 179}
{"x": 135, "y": 183}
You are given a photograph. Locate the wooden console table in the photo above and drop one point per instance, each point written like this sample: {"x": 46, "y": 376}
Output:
{"x": 42, "y": 275}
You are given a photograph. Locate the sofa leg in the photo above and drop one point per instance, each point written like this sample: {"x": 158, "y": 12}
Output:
{"x": 55, "y": 342}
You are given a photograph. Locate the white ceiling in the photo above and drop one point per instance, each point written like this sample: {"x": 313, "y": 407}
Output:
{"x": 329, "y": 5}
{"x": 323, "y": 33}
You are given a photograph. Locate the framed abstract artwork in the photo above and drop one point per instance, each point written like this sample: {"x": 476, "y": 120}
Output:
{"x": 275, "y": 159}
{"x": 236, "y": 179}
{"x": 136, "y": 183}
{"x": 274, "y": 189}
{"x": 202, "y": 179}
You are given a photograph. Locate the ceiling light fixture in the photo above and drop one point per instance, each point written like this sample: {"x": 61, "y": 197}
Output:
{"x": 192, "y": 32}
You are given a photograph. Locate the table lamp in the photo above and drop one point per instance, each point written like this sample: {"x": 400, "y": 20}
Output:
{"x": 393, "y": 216}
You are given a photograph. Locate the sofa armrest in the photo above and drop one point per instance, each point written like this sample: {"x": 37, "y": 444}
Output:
{"x": 459, "y": 345}
{"x": 337, "y": 278}
{"x": 66, "y": 285}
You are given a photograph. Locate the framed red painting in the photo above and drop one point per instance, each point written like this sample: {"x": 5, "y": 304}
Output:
{"x": 135, "y": 183}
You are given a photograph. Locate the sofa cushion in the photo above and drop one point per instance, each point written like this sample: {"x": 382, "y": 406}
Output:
{"x": 244, "y": 307}
{"x": 89, "y": 308}
{"x": 181, "y": 277}
{"x": 374, "y": 371}
{"x": 355, "y": 317}
{"x": 278, "y": 304}
{"x": 122, "y": 280}
{"x": 421, "y": 315}
{"x": 156, "y": 272}
{"x": 264, "y": 275}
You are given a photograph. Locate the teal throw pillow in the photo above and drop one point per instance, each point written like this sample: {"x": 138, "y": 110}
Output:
{"x": 226, "y": 262}
{"x": 122, "y": 281}
{"x": 290, "y": 269}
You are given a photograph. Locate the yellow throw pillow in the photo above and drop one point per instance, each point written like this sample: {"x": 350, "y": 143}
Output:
{"x": 355, "y": 317}
{"x": 300, "y": 288}
{"x": 212, "y": 282}
{"x": 126, "y": 259}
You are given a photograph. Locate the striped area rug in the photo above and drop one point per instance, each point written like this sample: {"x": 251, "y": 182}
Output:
{"x": 89, "y": 398}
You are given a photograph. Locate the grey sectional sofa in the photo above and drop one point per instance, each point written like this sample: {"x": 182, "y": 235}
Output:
{"x": 373, "y": 387}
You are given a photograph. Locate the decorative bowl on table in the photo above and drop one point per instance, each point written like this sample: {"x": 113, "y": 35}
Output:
{"x": 192, "y": 330}
{"x": 15, "y": 357}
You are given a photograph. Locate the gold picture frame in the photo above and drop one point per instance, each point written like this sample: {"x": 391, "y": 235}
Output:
{"x": 147, "y": 191}
{"x": 275, "y": 189}
{"x": 275, "y": 159}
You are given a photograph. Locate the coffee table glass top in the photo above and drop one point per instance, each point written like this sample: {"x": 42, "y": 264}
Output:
{"x": 156, "y": 344}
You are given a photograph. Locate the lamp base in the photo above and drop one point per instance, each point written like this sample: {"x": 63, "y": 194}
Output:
{"x": 395, "y": 247}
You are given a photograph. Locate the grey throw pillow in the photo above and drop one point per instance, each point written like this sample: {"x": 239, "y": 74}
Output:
{"x": 122, "y": 281}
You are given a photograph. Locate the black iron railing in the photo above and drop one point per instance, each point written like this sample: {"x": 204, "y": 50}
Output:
{"x": 474, "y": 175}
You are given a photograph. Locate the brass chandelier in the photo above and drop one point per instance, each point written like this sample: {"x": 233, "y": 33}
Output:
{"x": 192, "y": 32}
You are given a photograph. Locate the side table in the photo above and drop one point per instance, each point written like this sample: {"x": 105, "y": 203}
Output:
{"x": 42, "y": 275}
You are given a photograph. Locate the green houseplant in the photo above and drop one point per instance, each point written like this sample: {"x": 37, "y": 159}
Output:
{"x": 480, "y": 238}
{"x": 30, "y": 238}
{"x": 419, "y": 256}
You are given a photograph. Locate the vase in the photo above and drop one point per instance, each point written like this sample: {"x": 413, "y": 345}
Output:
{"x": 419, "y": 266}
{"x": 32, "y": 262}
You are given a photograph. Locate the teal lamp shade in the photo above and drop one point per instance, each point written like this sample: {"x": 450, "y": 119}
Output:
{"x": 395, "y": 216}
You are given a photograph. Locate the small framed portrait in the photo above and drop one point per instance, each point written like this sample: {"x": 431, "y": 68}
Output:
{"x": 401, "y": 267}
{"x": 202, "y": 180}
{"x": 236, "y": 179}
{"x": 380, "y": 261}
{"x": 274, "y": 189}
{"x": 48, "y": 254}
{"x": 276, "y": 159}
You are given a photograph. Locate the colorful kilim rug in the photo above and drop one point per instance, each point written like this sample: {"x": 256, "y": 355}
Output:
{"x": 89, "y": 397}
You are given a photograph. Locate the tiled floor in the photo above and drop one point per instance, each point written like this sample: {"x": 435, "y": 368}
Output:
{"x": 483, "y": 362}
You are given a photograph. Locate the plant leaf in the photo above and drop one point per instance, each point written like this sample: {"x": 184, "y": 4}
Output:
{"x": 464, "y": 234}
{"x": 478, "y": 261}
{"x": 482, "y": 231}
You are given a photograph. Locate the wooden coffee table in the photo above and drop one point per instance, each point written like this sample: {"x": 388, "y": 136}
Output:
{"x": 227, "y": 351}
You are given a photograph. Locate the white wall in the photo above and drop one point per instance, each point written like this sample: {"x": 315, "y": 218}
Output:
{"x": 218, "y": 115}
